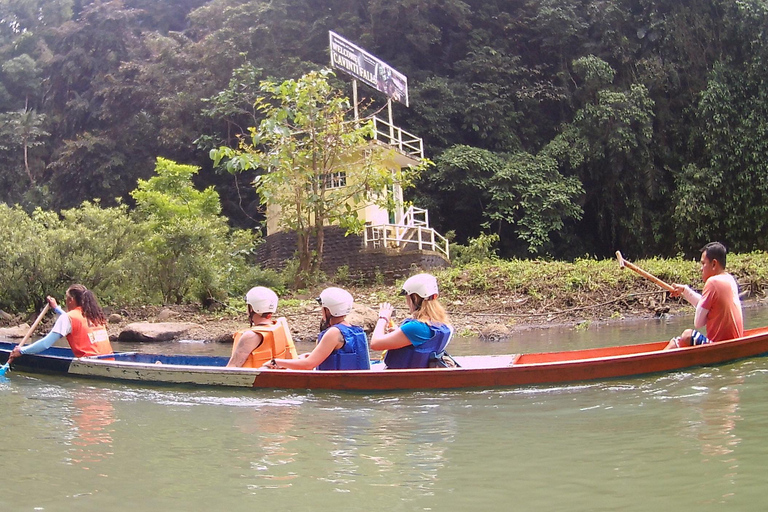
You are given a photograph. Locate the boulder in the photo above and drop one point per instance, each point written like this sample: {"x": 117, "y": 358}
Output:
{"x": 363, "y": 316}
{"x": 224, "y": 338}
{"x": 14, "y": 332}
{"x": 114, "y": 318}
{"x": 494, "y": 332}
{"x": 166, "y": 315}
{"x": 160, "y": 331}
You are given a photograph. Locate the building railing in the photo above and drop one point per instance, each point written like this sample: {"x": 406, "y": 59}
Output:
{"x": 416, "y": 217}
{"x": 406, "y": 143}
{"x": 402, "y": 237}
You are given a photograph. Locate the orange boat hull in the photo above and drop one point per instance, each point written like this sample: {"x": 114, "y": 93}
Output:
{"x": 475, "y": 371}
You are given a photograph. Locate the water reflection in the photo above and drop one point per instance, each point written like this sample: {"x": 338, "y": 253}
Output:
{"x": 398, "y": 442}
{"x": 271, "y": 427}
{"x": 91, "y": 416}
{"x": 708, "y": 416}
{"x": 719, "y": 415}
{"x": 338, "y": 444}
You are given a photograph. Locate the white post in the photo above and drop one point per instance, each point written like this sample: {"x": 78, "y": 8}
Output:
{"x": 354, "y": 99}
{"x": 397, "y": 192}
{"x": 391, "y": 122}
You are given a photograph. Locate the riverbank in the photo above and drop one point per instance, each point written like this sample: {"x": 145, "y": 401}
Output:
{"x": 490, "y": 300}
{"x": 487, "y": 317}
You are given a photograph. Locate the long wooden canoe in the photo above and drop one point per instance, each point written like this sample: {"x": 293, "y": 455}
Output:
{"x": 475, "y": 371}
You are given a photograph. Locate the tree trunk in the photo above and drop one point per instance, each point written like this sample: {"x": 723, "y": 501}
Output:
{"x": 25, "y": 140}
{"x": 26, "y": 162}
{"x": 305, "y": 259}
{"x": 320, "y": 244}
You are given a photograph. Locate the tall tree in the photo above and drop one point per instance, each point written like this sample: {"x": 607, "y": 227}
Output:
{"x": 608, "y": 147}
{"x": 187, "y": 246}
{"x": 723, "y": 194}
{"x": 522, "y": 197}
{"x": 319, "y": 167}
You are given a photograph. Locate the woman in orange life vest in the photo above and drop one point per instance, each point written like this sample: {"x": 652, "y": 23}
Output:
{"x": 340, "y": 346}
{"x": 84, "y": 326}
{"x": 267, "y": 338}
{"x": 419, "y": 338}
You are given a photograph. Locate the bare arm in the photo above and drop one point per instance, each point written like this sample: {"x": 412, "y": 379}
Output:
{"x": 383, "y": 340}
{"x": 249, "y": 342}
{"x": 331, "y": 340}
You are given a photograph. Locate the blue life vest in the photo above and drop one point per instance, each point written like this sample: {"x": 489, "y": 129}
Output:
{"x": 353, "y": 355}
{"x": 412, "y": 356}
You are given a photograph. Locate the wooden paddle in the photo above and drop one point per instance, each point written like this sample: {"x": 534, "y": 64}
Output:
{"x": 6, "y": 366}
{"x": 624, "y": 263}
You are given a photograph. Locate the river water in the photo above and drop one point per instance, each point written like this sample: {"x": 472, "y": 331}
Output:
{"x": 694, "y": 440}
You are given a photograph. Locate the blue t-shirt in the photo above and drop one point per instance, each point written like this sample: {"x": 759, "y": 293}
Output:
{"x": 417, "y": 332}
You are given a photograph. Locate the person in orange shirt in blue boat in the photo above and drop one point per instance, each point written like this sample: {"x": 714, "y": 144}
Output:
{"x": 266, "y": 338}
{"x": 84, "y": 325}
{"x": 718, "y": 307}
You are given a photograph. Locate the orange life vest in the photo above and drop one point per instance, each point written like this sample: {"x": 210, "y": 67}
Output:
{"x": 87, "y": 339}
{"x": 277, "y": 343}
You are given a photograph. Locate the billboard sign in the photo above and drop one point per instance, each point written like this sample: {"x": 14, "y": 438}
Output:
{"x": 355, "y": 61}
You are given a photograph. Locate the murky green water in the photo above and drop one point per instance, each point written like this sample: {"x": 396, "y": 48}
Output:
{"x": 686, "y": 441}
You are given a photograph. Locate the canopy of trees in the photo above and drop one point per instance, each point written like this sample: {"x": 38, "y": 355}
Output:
{"x": 565, "y": 127}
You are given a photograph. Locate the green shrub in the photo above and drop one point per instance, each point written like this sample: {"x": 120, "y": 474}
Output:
{"x": 187, "y": 251}
{"x": 482, "y": 248}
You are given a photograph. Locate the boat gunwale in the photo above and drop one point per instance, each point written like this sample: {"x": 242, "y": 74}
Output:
{"x": 639, "y": 354}
{"x": 634, "y": 362}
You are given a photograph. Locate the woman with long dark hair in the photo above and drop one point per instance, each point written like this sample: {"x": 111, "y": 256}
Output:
{"x": 83, "y": 324}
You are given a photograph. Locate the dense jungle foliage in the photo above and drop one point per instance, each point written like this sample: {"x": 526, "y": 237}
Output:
{"x": 174, "y": 247}
{"x": 565, "y": 127}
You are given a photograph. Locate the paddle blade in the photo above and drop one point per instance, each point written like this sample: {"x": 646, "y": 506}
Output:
{"x": 4, "y": 369}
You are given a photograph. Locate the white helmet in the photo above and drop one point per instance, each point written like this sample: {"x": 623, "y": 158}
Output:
{"x": 338, "y": 301}
{"x": 423, "y": 285}
{"x": 262, "y": 300}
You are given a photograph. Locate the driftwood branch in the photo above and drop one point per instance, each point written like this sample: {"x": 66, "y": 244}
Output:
{"x": 570, "y": 310}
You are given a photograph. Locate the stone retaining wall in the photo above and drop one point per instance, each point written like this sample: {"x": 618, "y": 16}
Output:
{"x": 340, "y": 251}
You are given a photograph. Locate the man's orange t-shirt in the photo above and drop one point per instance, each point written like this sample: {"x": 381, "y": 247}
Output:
{"x": 721, "y": 298}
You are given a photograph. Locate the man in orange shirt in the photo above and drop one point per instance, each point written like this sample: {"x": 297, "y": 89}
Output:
{"x": 718, "y": 307}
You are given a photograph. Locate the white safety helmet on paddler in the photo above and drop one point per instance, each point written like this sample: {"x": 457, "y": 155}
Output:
{"x": 423, "y": 285}
{"x": 262, "y": 300}
{"x": 337, "y": 300}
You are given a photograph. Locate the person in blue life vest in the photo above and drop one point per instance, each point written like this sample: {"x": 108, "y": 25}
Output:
{"x": 421, "y": 337}
{"x": 267, "y": 337}
{"x": 340, "y": 346}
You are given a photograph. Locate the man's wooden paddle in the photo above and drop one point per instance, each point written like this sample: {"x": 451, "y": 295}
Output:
{"x": 6, "y": 366}
{"x": 624, "y": 263}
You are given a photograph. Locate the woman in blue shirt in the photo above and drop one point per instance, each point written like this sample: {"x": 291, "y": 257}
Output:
{"x": 419, "y": 338}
